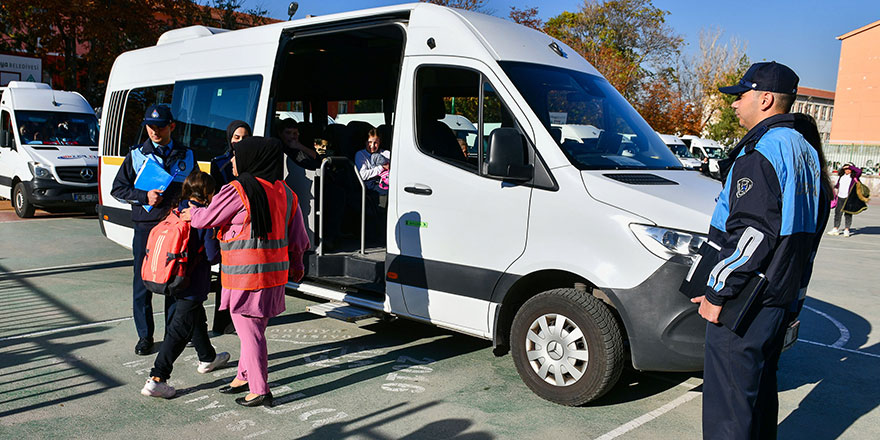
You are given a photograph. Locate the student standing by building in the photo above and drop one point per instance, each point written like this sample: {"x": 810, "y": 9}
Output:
{"x": 770, "y": 216}
{"x": 177, "y": 160}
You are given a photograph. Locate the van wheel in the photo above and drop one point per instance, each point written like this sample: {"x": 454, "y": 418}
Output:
{"x": 21, "y": 201}
{"x": 567, "y": 346}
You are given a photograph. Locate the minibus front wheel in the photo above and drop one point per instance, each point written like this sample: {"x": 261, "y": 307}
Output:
{"x": 21, "y": 201}
{"x": 567, "y": 346}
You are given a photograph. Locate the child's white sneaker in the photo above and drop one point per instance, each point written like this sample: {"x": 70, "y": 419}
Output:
{"x": 158, "y": 389}
{"x": 846, "y": 233}
{"x": 219, "y": 361}
{"x": 834, "y": 231}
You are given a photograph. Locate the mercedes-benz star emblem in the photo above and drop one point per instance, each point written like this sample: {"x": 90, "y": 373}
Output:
{"x": 87, "y": 174}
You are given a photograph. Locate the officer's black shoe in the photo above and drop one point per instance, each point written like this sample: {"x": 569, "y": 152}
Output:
{"x": 144, "y": 346}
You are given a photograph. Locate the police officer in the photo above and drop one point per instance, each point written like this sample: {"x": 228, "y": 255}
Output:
{"x": 179, "y": 162}
{"x": 769, "y": 218}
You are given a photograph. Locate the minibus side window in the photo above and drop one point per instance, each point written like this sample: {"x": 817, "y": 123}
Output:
{"x": 447, "y": 114}
{"x": 495, "y": 115}
{"x": 136, "y": 104}
{"x": 6, "y": 124}
{"x": 203, "y": 109}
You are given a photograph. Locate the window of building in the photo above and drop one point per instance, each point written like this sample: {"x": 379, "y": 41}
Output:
{"x": 824, "y": 112}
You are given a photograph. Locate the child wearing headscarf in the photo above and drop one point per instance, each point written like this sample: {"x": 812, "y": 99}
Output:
{"x": 262, "y": 240}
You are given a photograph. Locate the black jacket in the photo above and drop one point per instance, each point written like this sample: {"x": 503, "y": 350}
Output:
{"x": 124, "y": 190}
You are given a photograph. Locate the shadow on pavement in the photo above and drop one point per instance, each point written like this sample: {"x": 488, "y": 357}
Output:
{"x": 846, "y": 386}
{"x": 453, "y": 429}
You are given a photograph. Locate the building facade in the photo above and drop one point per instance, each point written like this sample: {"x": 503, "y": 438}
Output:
{"x": 857, "y": 113}
{"x": 820, "y": 105}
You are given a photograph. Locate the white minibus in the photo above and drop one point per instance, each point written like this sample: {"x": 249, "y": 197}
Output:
{"x": 48, "y": 149}
{"x": 566, "y": 255}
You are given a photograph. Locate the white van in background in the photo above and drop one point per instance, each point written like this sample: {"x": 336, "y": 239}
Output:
{"x": 566, "y": 254}
{"x": 48, "y": 149}
{"x": 705, "y": 148}
{"x": 681, "y": 151}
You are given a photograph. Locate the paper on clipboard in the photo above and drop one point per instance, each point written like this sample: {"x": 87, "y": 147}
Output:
{"x": 151, "y": 176}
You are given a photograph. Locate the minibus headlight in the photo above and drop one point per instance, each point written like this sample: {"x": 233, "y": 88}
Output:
{"x": 666, "y": 243}
{"x": 39, "y": 171}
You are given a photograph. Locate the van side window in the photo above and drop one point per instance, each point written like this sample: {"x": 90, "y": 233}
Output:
{"x": 495, "y": 115}
{"x": 203, "y": 109}
{"x": 447, "y": 114}
{"x": 133, "y": 133}
{"x": 6, "y": 124}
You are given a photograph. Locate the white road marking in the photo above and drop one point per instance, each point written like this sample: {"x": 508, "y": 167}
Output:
{"x": 76, "y": 327}
{"x": 66, "y": 266}
{"x": 848, "y": 350}
{"x": 639, "y": 421}
{"x": 844, "y": 332}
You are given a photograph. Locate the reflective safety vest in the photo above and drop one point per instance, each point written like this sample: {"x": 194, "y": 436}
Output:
{"x": 250, "y": 263}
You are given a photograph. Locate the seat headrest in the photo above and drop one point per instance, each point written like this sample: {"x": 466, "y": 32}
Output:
{"x": 433, "y": 108}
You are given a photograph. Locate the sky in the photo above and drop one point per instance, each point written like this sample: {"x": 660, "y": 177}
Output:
{"x": 800, "y": 34}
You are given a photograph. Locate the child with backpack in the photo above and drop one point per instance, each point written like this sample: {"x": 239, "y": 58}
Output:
{"x": 189, "y": 282}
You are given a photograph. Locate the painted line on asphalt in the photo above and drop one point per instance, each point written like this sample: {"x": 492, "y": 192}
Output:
{"x": 77, "y": 327}
{"x": 848, "y": 350}
{"x": 844, "y": 332}
{"x": 66, "y": 266}
{"x": 641, "y": 420}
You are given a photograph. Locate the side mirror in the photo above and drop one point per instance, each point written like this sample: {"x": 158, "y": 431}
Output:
{"x": 508, "y": 156}
{"x": 6, "y": 140}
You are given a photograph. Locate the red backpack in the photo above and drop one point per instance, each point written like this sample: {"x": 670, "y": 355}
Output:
{"x": 165, "y": 269}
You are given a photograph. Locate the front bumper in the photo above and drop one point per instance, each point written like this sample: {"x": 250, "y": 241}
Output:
{"x": 47, "y": 193}
{"x": 664, "y": 329}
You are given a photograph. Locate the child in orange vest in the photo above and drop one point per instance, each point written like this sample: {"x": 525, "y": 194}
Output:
{"x": 189, "y": 321}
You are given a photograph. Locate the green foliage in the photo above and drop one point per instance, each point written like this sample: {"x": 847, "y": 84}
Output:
{"x": 724, "y": 127}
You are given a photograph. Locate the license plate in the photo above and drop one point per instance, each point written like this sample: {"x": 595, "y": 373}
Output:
{"x": 85, "y": 197}
{"x": 791, "y": 334}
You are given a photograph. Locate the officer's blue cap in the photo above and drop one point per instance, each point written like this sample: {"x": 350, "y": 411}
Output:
{"x": 767, "y": 77}
{"x": 158, "y": 115}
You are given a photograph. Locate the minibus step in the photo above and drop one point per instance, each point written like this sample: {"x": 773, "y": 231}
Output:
{"x": 343, "y": 311}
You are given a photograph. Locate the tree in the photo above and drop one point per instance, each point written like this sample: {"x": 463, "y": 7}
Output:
{"x": 725, "y": 127}
{"x": 470, "y": 5}
{"x": 526, "y": 17}
{"x": 665, "y": 108}
{"x": 88, "y": 35}
{"x": 626, "y": 40}
{"x": 227, "y": 15}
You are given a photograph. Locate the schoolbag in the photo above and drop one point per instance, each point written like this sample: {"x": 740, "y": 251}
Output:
{"x": 166, "y": 270}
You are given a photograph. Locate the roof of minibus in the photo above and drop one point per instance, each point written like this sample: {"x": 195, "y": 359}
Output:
{"x": 46, "y": 100}
{"x": 501, "y": 39}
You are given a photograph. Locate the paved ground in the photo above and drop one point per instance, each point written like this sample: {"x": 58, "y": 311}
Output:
{"x": 67, "y": 367}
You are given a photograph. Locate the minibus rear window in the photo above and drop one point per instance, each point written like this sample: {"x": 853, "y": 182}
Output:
{"x": 57, "y": 128}
{"x": 590, "y": 121}
{"x": 203, "y": 109}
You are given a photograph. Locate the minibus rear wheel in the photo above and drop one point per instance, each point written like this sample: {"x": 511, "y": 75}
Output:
{"x": 567, "y": 346}
{"x": 21, "y": 201}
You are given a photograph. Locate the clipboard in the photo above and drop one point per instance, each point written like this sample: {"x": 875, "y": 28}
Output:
{"x": 152, "y": 176}
{"x": 738, "y": 312}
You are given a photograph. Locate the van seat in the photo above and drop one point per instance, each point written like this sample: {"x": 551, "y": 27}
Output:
{"x": 385, "y": 132}
{"x": 359, "y": 131}
{"x": 339, "y": 136}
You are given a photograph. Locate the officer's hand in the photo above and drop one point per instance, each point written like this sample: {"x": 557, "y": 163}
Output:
{"x": 154, "y": 197}
{"x": 186, "y": 215}
{"x": 708, "y": 311}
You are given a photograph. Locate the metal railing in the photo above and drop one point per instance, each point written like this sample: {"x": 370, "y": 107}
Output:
{"x": 328, "y": 161}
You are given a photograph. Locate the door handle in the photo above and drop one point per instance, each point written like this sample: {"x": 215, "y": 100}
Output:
{"x": 421, "y": 190}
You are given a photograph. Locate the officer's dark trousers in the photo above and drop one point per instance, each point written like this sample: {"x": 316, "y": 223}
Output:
{"x": 142, "y": 307}
{"x": 740, "y": 400}
{"x": 189, "y": 323}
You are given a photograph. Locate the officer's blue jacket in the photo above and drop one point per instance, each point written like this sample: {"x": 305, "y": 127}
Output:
{"x": 771, "y": 212}
{"x": 179, "y": 162}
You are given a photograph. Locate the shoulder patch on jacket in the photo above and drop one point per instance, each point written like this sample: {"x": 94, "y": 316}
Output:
{"x": 743, "y": 186}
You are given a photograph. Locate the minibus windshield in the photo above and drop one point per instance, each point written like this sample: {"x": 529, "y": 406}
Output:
{"x": 714, "y": 152}
{"x": 680, "y": 150}
{"x": 57, "y": 128}
{"x": 620, "y": 138}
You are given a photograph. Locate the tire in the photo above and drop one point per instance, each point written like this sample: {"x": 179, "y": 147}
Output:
{"x": 587, "y": 351}
{"x": 21, "y": 201}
